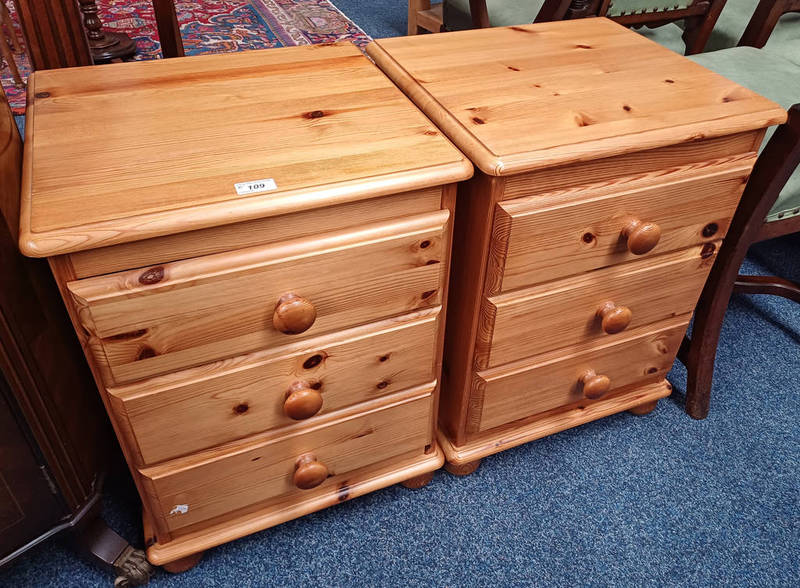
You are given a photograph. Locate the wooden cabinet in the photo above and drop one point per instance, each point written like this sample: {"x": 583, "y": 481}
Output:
{"x": 256, "y": 262}
{"x": 610, "y": 169}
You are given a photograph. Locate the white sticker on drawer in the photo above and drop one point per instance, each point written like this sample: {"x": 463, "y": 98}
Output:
{"x": 256, "y": 186}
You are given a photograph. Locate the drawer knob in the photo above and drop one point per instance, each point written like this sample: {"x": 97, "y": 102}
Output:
{"x": 308, "y": 472}
{"x": 302, "y": 401}
{"x": 293, "y": 314}
{"x": 594, "y": 384}
{"x": 614, "y": 318}
{"x": 641, "y": 236}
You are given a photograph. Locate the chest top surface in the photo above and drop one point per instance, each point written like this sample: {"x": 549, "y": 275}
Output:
{"x": 135, "y": 150}
{"x": 526, "y": 97}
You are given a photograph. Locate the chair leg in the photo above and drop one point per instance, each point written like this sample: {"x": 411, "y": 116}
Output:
{"x": 772, "y": 170}
{"x": 8, "y": 56}
{"x": 772, "y": 285}
{"x": 762, "y": 23}
{"x": 415, "y": 6}
{"x": 698, "y": 28}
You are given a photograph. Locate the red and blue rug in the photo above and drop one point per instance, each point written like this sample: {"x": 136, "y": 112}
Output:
{"x": 218, "y": 26}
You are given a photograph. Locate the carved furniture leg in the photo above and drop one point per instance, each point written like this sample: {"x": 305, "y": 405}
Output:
{"x": 464, "y": 469}
{"x": 169, "y": 30}
{"x": 774, "y": 167}
{"x": 104, "y": 45}
{"x": 106, "y": 548}
{"x": 418, "y": 482}
{"x": 762, "y": 23}
{"x": 644, "y": 409}
{"x": 184, "y": 564}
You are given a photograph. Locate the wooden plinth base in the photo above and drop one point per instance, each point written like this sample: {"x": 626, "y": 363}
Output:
{"x": 183, "y": 564}
{"x": 194, "y": 541}
{"x": 497, "y": 440}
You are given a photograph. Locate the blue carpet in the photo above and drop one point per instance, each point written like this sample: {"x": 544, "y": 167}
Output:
{"x": 655, "y": 500}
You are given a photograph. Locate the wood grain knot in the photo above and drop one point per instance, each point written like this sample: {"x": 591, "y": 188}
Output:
{"x": 708, "y": 250}
{"x": 627, "y": 108}
{"x": 583, "y": 46}
{"x": 313, "y": 361}
{"x": 241, "y": 408}
{"x": 669, "y": 81}
{"x": 710, "y": 230}
{"x": 584, "y": 120}
{"x": 343, "y": 492}
{"x": 652, "y": 370}
{"x": 146, "y": 353}
{"x": 428, "y": 294}
{"x": 382, "y": 384}
{"x": 314, "y": 114}
{"x": 383, "y": 358}
{"x": 588, "y": 238}
{"x": 521, "y": 30}
{"x": 152, "y": 276}
{"x": 432, "y": 262}
{"x": 478, "y": 120}
{"x": 42, "y": 95}
{"x": 512, "y": 68}
{"x": 431, "y": 133}
{"x": 424, "y": 244}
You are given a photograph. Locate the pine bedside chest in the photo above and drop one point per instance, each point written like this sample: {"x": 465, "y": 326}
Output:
{"x": 610, "y": 168}
{"x": 254, "y": 250}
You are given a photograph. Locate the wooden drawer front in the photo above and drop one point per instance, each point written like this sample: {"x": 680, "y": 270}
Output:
{"x": 147, "y": 322}
{"x": 520, "y": 391}
{"x": 213, "y": 404}
{"x": 206, "y": 486}
{"x": 564, "y": 313}
{"x": 274, "y": 229}
{"x": 553, "y": 236}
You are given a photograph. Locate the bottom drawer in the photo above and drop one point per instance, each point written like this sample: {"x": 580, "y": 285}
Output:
{"x": 209, "y": 484}
{"x": 522, "y": 390}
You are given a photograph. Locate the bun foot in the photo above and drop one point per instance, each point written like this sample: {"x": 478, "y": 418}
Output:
{"x": 418, "y": 482}
{"x": 463, "y": 469}
{"x": 644, "y": 409}
{"x": 183, "y": 564}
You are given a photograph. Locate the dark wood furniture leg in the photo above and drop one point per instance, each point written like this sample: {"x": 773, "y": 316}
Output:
{"x": 764, "y": 19}
{"x": 169, "y": 31}
{"x": 54, "y": 33}
{"x": 105, "y": 45}
{"x": 698, "y": 28}
{"x": 775, "y": 165}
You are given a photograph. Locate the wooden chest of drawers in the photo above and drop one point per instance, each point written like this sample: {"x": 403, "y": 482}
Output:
{"x": 254, "y": 249}
{"x": 610, "y": 168}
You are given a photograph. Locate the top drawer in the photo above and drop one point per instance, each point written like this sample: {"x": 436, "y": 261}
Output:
{"x": 545, "y": 237}
{"x": 159, "y": 319}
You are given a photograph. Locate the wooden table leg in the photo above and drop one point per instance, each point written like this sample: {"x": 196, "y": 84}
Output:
{"x": 105, "y": 45}
{"x": 169, "y": 31}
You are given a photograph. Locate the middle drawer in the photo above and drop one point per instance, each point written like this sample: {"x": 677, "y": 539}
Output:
{"x": 155, "y": 320}
{"x": 207, "y": 406}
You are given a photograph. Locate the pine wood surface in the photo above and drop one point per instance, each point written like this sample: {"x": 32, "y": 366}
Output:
{"x": 571, "y": 91}
{"x": 273, "y": 512}
{"x": 188, "y": 411}
{"x": 262, "y": 231}
{"x": 188, "y": 312}
{"x": 692, "y": 205}
{"x": 142, "y": 149}
{"x": 559, "y": 314}
{"x": 222, "y": 480}
{"x": 549, "y": 423}
{"x": 535, "y": 386}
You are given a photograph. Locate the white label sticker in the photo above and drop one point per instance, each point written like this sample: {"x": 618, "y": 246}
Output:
{"x": 179, "y": 509}
{"x": 256, "y": 186}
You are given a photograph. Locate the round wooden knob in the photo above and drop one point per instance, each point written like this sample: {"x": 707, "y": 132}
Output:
{"x": 614, "y": 318}
{"x": 309, "y": 473}
{"x": 302, "y": 401}
{"x": 293, "y": 314}
{"x": 641, "y": 236}
{"x": 595, "y": 385}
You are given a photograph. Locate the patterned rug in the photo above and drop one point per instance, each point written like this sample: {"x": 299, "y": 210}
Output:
{"x": 217, "y": 26}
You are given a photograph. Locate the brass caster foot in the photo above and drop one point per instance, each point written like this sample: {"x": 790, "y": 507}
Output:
{"x": 464, "y": 469}
{"x": 644, "y": 409}
{"x": 184, "y": 563}
{"x": 418, "y": 482}
{"x": 132, "y": 568}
